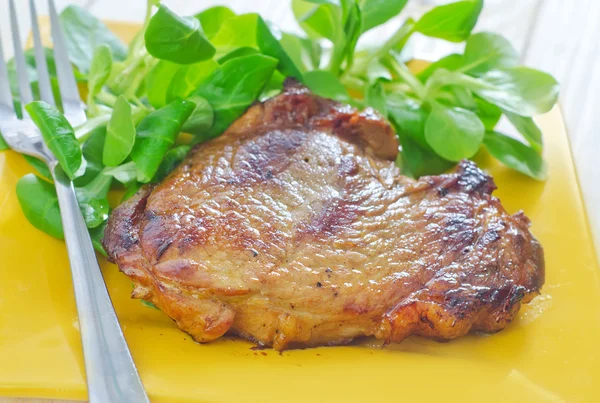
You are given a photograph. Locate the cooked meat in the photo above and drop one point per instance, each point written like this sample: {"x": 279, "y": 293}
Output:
{"x": 295, "y": 228}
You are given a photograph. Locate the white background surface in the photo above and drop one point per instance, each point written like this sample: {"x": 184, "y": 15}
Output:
{"x": 558, "y": 36}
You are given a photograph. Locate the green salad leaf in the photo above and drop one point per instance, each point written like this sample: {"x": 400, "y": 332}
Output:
{"x": 93, "y": 150}
{"x": 319, "y": 20}
{"x": 248, "y": 34}
{"x": 375, "y": 97}
{"x": 238, "y": 52}
{"x": 213, "y": 18}
{"x": 120, "y": 134}
{"x": 452, "y": 22}
{"x": 93, "y": 200}
{"x": 169, "y": 81}
{"x": 201, "y": 119}
{"x": 339, "y": 22}
{"x": 97, "y": 234}
{"x": 100, "y": 70}
{"x": 326, "y": 84}
{"x": 486, "y": 51}
{"x": 515, "y": 155}
{"x": 236, "y": 32}
{"x": 409, "y": 116}
{"x": 520, "y": 90}
{"x": 489, "y": 113}
{"x": 39, "y": 203}
{"x": 527, "y": 127}
{"x": 173, "y": 157}
{"x": 39, "y": 166}
{"x": 233, "y": 87}
{"x": 453, "y": 133}
{"x": 305, "y": 53}
{"x": 83, "y": 33}
{"x": 188, "y": 78}
{"x": 126, "y": 173}
{"x": 156, "y": 133}
{"x": 416, "y": 160}
{"x": 59, "y": 136}
{"x": 377, "y": 12}
{"x": 158, "y": 82}
{"x": 270, "y": 46}
{"x": 177, "y": 39}
{"x": 451, "y": 62}
{"x": 454, "y": 95}
{"x": 30, "y": 68}
{"x": 352, "y": 31}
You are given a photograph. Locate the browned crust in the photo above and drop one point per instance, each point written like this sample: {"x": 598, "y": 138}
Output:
{"x": 488, "y": 263}
{"x": 204, "y": 319}
{"x": 446, "y": 310}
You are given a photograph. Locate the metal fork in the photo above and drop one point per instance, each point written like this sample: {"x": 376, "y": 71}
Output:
{"x": 110, "y": 371}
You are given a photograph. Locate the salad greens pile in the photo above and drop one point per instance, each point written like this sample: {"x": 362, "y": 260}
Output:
{"x": 197, "y": 74}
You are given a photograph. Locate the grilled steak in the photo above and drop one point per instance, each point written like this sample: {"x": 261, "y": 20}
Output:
{"x": 295, "y": 228}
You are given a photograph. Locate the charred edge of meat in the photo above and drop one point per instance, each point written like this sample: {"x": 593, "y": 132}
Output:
{"x": 452, "y": 314}
{"x": 121, "y": 231}
{"x": 468, "y": 178}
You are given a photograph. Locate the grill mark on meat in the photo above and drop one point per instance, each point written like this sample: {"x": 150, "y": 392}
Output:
{"x": 294, "y": 228}
{"x": 262, "y": 161}
{"x": 336, "y": 214}
{"x": 162, "y": 249}
{"x": 157, "y": 237}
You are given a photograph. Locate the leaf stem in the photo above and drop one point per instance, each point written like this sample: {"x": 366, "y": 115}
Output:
{"x": 474, "y": 64}
{"x": 118, "y": 82}
{"x": 400, "y": 70}
{"x": 398, "y": 87}
{"x": 134, "y": 84}
{"x": 83, "y": 132}
{"x": 106, "y": 98}
{"x": 149, "y": 4}
{"x": 337, "y": 57}
{"x": 443, "y": 77}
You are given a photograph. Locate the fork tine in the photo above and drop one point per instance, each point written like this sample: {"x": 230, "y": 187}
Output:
{"x": 72, "y": 105}
{"x": 24, "y": 87}
{"x": 40, "y": 59}
{"x": 6, "y": 102}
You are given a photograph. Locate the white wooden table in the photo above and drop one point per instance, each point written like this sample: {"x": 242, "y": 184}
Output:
{"x": 558, "y": 36}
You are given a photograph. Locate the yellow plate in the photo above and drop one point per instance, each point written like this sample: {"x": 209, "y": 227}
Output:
{"x": 549, "y": 353}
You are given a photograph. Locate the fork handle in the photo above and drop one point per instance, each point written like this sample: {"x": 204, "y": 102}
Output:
{"x": 110, "y": 370}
